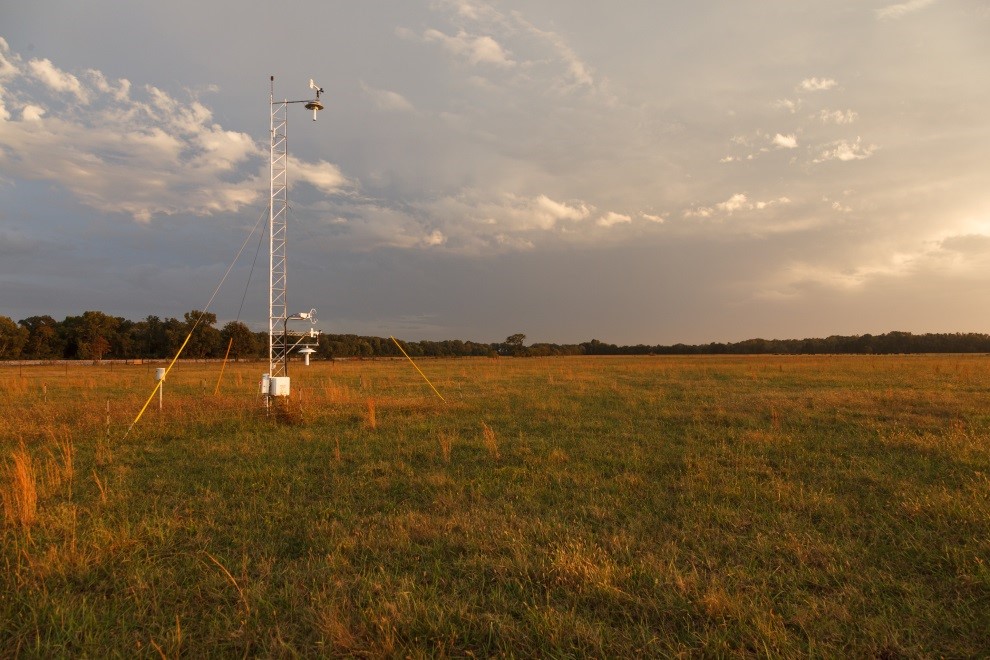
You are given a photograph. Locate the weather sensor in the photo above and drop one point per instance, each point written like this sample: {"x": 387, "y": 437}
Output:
{"x": 315, "y": 104}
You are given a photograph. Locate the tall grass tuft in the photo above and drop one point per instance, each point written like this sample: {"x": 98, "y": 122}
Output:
{"x": 20, "y": 492}
{"x": 372, "y": 420}
{"x": 446, "y": 440}
{"x": 490, "y": 441}
{"x": 99, "y": 484}
{"x": 60, "y": 467}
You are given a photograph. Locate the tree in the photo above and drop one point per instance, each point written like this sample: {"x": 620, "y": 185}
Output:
{"x": 151, "y": 337}
{"x": 175, "y": 332}
{"x": 12, "y": 338}
{"x": 514, "y": 345}
{"x": 95, "y": 332}
{"x": 240, "y": 338}
{"x": 205, "y": 340}
{"x": 43, "y": 340}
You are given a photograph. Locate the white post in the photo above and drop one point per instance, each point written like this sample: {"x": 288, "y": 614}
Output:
{"x": 160, "y": 377}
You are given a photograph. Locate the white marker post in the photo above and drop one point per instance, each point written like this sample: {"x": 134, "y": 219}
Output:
{"x": 160, "y": 377}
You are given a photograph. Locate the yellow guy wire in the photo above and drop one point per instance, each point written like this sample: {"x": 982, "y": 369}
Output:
{"x": 417, "y": 368}
{"x": 223, "y": 366}
{"x": 196, "y": 325}
{"x": 145, "y": 406}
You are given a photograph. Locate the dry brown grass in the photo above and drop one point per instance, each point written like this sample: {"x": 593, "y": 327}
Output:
{"x": 446, "y": 442}
{"x": 704, "y": 506}
{"x": 60, "y": 464}
{"x": 372, "y": 419}
{"x": 490, "y": 441}
{"x": 20, "y": 490}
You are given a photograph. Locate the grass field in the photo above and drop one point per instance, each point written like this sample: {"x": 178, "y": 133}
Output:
{"x": 828, "y": 506}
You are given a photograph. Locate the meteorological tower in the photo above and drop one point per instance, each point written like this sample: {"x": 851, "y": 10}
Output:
{"x": 276, "y": 382}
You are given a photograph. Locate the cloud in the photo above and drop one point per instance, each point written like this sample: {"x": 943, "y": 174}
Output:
{"x": 891, "y": 12}
{"x": 787, "y": 104}
{"x": 578, "y": 72}
{"x": 964, "y": 253}
{"x": 816, "y": 84}
{"x": 552, "y": 211}
{"x": 534, "y": 49}
{"x": 837, "y": 116}
{"x": 785, "y": 141}
{"x": 476, "y": 49}
{"x": 736, "y": 203}
{"x": 845, "y": 150}
{"x": 473, "y": 11}
{"x": 434, "y": 239}
{"x": 325, "y": 177}
{"x": 8, "y": 69}
{"x": 471, "y": 222}
{"x": 32, "y": 112}
{"x": 386, "y": 100}
{"x": 898, "y": 264}
{"x": 611, "y": 219}
{"x": 659, "y": 219}
{"x": 57, "y": 80}
{"x": 144, "y": 154}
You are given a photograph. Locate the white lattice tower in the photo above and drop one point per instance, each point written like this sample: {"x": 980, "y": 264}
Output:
{"x": 277, "y": 216}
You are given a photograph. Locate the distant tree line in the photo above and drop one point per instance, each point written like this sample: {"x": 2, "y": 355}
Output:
{"x": 97, "y": 336}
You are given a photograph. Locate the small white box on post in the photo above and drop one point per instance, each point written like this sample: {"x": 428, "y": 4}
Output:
{"x": 160, "y": 377}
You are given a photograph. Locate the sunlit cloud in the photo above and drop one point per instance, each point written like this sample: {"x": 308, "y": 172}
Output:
{"x": 837, "y": 116}
{"x": 845, "y": 150}
{"x": 435, "y": 238}
{"x": 475, "y": 221}
{"x": 533, "y": 47}
{"x": 736, "y": 203}
{"x": 477, "y": 49}
{"x": 322, "y": 175}
{"x": 387, "y": 100}
{"x": 57, "y": 80}
{"x": 816, "y": 84}
{"x": 787, "y": 104}
{"x": 785, "y": 141}
{"x": 960, "y": 254}
{"x": 32, "y": 112}
{"x": 7, "y": 68}
{"x": 144, "y": 153}
{"x": 901, "y": 9}
{"x": 611, "y": 219}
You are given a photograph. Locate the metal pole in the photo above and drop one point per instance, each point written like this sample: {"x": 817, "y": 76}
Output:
{"x": 271, "y": 223}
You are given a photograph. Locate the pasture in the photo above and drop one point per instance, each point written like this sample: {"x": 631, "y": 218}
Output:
{"x": 566, "y": 506}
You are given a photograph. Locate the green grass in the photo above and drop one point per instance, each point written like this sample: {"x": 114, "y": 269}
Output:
{"x": 617, "y": 507}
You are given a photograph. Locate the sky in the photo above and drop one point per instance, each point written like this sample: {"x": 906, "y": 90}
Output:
{"x": 644, "y": 171}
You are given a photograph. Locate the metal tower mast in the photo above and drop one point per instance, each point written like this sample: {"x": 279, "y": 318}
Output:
{"x": 278, "y": 208}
